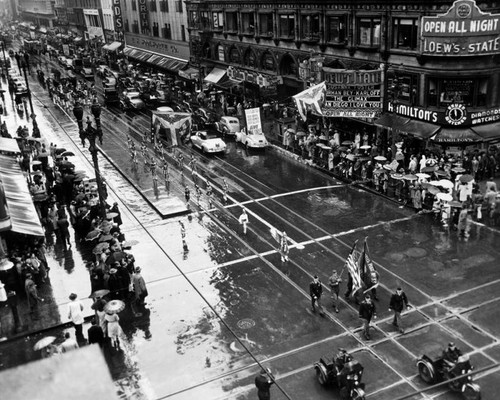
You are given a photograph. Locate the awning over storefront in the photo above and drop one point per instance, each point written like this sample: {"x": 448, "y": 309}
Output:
{"x": 24, "y": 218}
{"x": 215, "y": 75}
{"x": 8, "y": 145}
{"x": 158, "y": 60}
{"x": 172, "y": 64}
{"x": 227, "y": 83}
{"x": 488, "y": 132}
{"x": 391, "y": 121}
{"x": 419, "y": 129}
{"x": 112, "y": 46}
{"x": 456, "y": 135}
{"x": 190, "y": 73}
{"x": 136, "y": 54}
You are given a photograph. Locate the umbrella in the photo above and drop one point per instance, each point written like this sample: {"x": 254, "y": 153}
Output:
{"x": 342, "y": 148}
{"x": 410, "y": 177}
{"x": 378, "y": 171}
{"x": 59, "y": 150}
{"x": 442, "y": 173}
{"x": 398, "y": 177}
{"x": 434, "y": 183}
{"x": 380, "y": 158}
{"x": 114, "y": 306}
{"x": 42, "y": 343}
{"x": 346, "y": 143}
{"x": 99, "y": 293}
{"x": 92, "y": 235}
{"x": 36, "y": 162}
{"x": 431, "y": 162}
{"x": 421, "y": 175}
{"x": 111, "y": 215}
{"x": 455, "y": 204}
{"x": 365, "y": 147}
{"x": 100, "y": 247}
{"x": 43, "y": 154}
{"x": 466, "y": 178}
{"x": 301, "y": 133}
{"x": 432, "y": 189}
{"x": 105, "y": 238}
{"x": 116, "y": 256}
{"x": 387, "y": 167}
{"x": 428, "y": 169}
{"x": 444, "y": 196}
{"x": 350, "y": 157}
{"x": 129, "y": 243}
{"x": 67, "y": 153}
{"x": 445, "y": 183}
{"x": 458, "y": 170}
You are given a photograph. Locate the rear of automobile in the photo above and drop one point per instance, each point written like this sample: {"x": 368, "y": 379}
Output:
{"x": 214, "y": 145}
{"x": 232, "y": 125}
{"x": 257, "y": 141}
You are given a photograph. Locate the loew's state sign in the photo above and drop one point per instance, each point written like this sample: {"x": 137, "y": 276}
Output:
{"x": 462, "y": 31}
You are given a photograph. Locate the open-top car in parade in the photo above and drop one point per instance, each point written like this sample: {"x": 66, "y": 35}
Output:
{"x": 208, "y": 142}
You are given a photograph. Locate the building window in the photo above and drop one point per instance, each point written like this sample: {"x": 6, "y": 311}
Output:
{"x": 152, "y": 5}
{"x": 268, "y": 62}
{"x": 125, "y": 26}
{"x": 218, "y": 20}
{"x": 135, "y": 27}
{"x": 156, "y": 29}
{"x": 232, "y": 21}
{"x": 404, "y": 89}
{"x": 134, "y": 5}
{"x": 178, "y": 6}
{"x": 266, "y": 24}
{"x": 309, "y": 25}
{"x": 220, "y": 53}
{"x": 167, "y": 32}
{"x": 335, "y": 29}
{"x": 469, "y": 92}
{"x": 369, "y": 32}
{"x": 163, "y": 6}
{"x": 234, "y": 56}
{"x": 247, "y": 23}
{"x": 405, "y": 33}
{"x": 183, "y": 33}
{"x": 287, "y": 25}
{"x": 250, "y": 60}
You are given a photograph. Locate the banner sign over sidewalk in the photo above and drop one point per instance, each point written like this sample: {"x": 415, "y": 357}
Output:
{"x": 351, "y": 93}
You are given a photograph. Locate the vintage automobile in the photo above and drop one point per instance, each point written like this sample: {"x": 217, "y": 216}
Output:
{"x": 132, "y": 101}
{"x": 436, "y": 369}
{"x": 252, "y": 140}
{"x": 229, "y": 125}
{"x": 208, "y": 142}
{"x": 87, "y": 73}
{"x": 344, "y": 372}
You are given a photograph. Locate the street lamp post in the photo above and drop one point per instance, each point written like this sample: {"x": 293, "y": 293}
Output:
{"x": 91, "y": 134}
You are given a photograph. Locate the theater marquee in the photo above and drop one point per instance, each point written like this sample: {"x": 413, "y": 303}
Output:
{"x": 463, "y": 31}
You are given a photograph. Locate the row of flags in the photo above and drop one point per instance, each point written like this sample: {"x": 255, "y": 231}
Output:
{"x": 361, "y": 268}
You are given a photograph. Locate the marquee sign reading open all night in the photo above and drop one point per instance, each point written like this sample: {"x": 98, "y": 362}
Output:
{"x": 463, "y": 31}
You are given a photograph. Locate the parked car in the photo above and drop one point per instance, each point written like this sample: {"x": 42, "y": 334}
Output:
{"x": 132, "y": 101}
{"x": 87, "y": 73}
{"x": 165, "y": 109}
{"x": 111, "y": 95}
{"x": 61, "y": 60}
{"x": 20, "y": 87}
{"x": 208, "y": 142}
{"x": 229, "y": 125}
{"x": 251, "y": 140}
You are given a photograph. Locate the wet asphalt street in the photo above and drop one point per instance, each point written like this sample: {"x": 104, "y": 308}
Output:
{"x": 229, "y": 304}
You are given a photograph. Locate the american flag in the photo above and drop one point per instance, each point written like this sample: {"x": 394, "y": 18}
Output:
{"x": 367, "y": 269}
{"x": 352, "y": 267}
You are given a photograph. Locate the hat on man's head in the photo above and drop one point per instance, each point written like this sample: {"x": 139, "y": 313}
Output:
{"x": 72, "y": 296}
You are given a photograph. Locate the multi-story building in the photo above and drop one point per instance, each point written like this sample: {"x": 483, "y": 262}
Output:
{"x": 424, "y": 69}
{"x": 156, "y": 33}
{"x": 39, "y": 12}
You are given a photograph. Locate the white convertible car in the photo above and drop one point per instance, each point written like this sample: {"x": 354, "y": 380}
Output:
{"x": 208, "y": 142}
{"x": 253, "y": 140}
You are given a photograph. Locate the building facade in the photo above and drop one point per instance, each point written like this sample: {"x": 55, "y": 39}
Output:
{"x": 39, "y": 12}
{"x": 424, "y": 69}
{"x": 156, "y": 33}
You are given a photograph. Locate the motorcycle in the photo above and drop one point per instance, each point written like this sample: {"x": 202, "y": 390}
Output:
{"x": 438, "y": 369}
{"x": 344, "y": 372}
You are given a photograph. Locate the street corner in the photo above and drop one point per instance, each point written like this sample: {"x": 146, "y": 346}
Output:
{"x": 475, "y": 296}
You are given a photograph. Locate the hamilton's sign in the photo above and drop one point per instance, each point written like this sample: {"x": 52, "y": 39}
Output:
{"x": 463, "y": 31}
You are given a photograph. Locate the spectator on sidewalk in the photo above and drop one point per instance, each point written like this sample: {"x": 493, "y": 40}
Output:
{"x": 95, "y": 334}
{"x": 75, "y": 314}
{"x": 31, "y": 293}
{"x": 69, "y": 343}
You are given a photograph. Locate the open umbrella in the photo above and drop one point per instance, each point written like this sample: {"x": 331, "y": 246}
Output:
{"x": 466, "y": 178}
{"x": 380, "y": 158}
{"x": 387, "y": 167}
{"x": 105, "y": 238}
{"x": 445, "y": 183}
{"x": 396, "y": 176}
{"x": 99, "y": 293}
{"x": 455, "y": 204}
{"x": 111, "y": 215}
{"x": 342, "y": 148}
{"x": 431, "y": 162}
{"x": 59, "y": 150}
{"x": 116, "y": 256}
{"x": 422, "y": 175}
{"x": 428, "y": 169}
{"x": 100, "y": 247}
{"x": 365, "y": 147}
{"x": 350, "y": 157}
{"x": 410, "y": 177}
{"x": 444, "y": 196}
{"x": 458, "y": 170}
{"x": 92, "y": 235}
{"x": 42, "y": 343}
{"x": 431, "y": 189}
{"x": 67, "y": 153}
{"x": 378, "y": 171}
{"x": 114, "y": 306}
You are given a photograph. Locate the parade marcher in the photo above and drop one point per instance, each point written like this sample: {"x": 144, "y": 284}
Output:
{"x": 243, "y": 220}
{"x": 187, "y": 194}
{"x": 263, "y": 383}
{"x": 334, "y": 283}
{"x": 75, "y": 314}
{"x": 284, "y": 249}
{"x": 315, "y": 291}
{"x": 397, "y": 304}
{"x": 367, "y": 311}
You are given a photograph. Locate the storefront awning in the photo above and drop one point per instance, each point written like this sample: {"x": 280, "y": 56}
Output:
{"x": 488, "y": 132}
{"x": 391, "y": 121}
{"x": 112, "y": 46}
{"x": 227, "y": 83}
{"x": 419, "y": 129}
{"x": 136, "y": 54}
{"x": 8, "y": 145}
{"x": 23, "y": 216}
{"x": 215, "y": 75}
{"x": 166, "y": 62}
{"x": 456, "y": 135}
{"x": 190, "y": 73}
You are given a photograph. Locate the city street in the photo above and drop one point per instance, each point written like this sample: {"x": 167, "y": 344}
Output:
{"x": 218, "y": 312}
